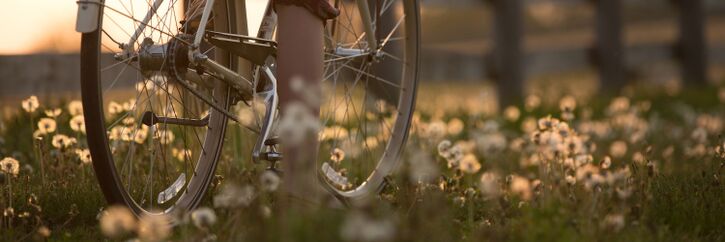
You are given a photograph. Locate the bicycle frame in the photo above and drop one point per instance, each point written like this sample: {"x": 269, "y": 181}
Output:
{"x": 88, "y": 21}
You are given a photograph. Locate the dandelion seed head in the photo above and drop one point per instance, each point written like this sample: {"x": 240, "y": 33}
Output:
{"x": 699, "y": 135}
{"x": 44, "y": 231}
{"x": 269, "y": 181}
{"x": 75, "y": 108}
{"x": 337, "y": 155}
{"x": 115, "y": 133}
{"x": 141, "y": 134}
{"x": 234, "y": 196}
{"x": 567, "y": 103}
{"x": 528, "y": 125}
{"x": 129, "y": 121}
{"x": 145, "y": 86}
{"x": 181, "y": 154}
{"x": 571, "y": 180}
{"x": 711, "y": 123}
{"x": 9, "y": 212}
{"x": 10, "y": 166}
{"x": 117, "y": 221}
{"x": 53, "y": 113}
{"x": 154, "y": 227}
{"x": 444, "y": 148}
{"x": 638, "y": 157}
{"x": 130, "y": 105}
{"x": 30, "y": 104}
{"x": 489, "y": 185}
{"x": 435, "y": 130}
{"x": 46, "y": 126}
{"x": 521, "y": 186}
{"x": 455, "y": 154}
{"x": 606, "y": 162}
{"x": 469, "y": 164}
{"x": 266, "y": 211}
{"x": 590, "y": 176}
{"x": 618, "y": 105}
{"x": 84, "y": 155}
{"x": 371, "y": 142}
{"x": 114, "y": 108}
{"x": 532, "y": 102}
{"x": 334, "y": 133}
{"x": 61, "y": 141}
{"x": 512, "y": 113}
{"x": 163, "y": 136}
{"x": 203, "y": 217}
{"x": 547, "y": 123}
{"x": 618, "y": 149}
{"x": 455, "y": 126}
{"x": 78, "y": 124}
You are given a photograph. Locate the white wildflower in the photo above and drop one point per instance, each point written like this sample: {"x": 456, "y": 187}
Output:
{"x": 233, "y": 196}
{"x": 269, "y": 181}
{"x": 155, "y": 227}
{"x": 203, "y": 217}
{"x": 116, "y": 221}
{"x": 10, "y": 166}
{"x": 31, "y": 104}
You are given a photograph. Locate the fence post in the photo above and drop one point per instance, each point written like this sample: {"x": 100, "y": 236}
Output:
{"x": 691, "y": 47}
{"x": 508, "y": 50}
{"x": 608, "y": 52}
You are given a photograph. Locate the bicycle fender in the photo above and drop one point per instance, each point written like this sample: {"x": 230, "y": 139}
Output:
{"x": 88, "y": 14}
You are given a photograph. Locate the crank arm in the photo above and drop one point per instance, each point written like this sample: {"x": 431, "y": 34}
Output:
{"x": 272, "y": 101}
{"x": 150, "y": 119}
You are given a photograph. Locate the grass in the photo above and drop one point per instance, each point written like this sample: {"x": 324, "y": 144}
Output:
{"x": 671, "y": 187}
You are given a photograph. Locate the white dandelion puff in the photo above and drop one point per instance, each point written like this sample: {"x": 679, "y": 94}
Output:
{"x": 10, "y": 166}
{"x": 31, "y": 104}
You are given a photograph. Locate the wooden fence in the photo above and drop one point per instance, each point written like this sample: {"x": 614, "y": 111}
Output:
{"x": 509, "y": 56}
{"x": 607, "y": 53}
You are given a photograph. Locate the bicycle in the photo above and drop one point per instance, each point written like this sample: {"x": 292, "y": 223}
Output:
{"x": 157, "y": 106}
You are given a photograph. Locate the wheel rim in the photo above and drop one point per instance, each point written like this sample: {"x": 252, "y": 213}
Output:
{"x": 367, "y": 108}
{"x": 150, "y": 168}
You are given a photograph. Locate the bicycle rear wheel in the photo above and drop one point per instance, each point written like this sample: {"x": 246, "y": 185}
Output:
{"x": 368, "y": 95}
{"x": 154, "y": 143}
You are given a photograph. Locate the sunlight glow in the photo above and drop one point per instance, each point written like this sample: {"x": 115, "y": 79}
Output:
{"x": 47, "y": 26}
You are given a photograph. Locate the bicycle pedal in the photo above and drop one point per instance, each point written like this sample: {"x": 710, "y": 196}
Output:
{"x": 272, "y": 156}
{"x": 272, "y": 141}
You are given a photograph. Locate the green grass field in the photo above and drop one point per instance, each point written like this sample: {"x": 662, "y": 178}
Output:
{"x": 644, "y": 166}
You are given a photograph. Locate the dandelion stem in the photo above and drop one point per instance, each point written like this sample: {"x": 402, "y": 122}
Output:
{"x": 469, "y": 184}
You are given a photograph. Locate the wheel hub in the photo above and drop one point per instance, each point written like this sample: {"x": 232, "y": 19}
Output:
{"x": 168, "y": 57}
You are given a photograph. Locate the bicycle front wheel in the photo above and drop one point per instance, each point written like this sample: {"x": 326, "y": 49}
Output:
{"x": 369, "y": 92}
{"x": 154, "y": 134}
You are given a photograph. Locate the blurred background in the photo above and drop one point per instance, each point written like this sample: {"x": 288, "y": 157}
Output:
{"x": 519, "y": 46}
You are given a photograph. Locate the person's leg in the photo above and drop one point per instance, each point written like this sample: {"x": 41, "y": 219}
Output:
{"x": 300, "y": 57}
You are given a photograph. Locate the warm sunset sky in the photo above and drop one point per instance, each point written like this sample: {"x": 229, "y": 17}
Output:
{"x": 31, "y": 26}
{"x": 28, "y": 26}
